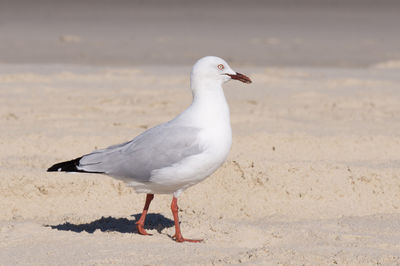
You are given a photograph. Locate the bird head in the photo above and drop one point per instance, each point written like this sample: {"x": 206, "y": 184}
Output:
{"x": 213, "y": 69}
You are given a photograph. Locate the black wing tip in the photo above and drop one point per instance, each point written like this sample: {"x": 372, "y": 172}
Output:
{"x": 67, "y": 166}
{"x": 70, "y": 166}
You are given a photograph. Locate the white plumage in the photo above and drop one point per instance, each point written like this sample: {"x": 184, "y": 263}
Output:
{"x": 169, "y": 158}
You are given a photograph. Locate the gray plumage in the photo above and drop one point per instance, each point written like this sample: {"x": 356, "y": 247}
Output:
{"x": 174, "y": 156}
{"x": 156, "y": 148}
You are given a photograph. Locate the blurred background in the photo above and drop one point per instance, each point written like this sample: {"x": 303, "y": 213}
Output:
{"x": 329, "y": 33}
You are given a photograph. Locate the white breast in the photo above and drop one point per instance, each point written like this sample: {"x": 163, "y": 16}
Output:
{"x": 210, "y": 113}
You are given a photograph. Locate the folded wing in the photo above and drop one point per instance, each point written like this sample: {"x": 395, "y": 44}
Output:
{"x": 156, "y": 148}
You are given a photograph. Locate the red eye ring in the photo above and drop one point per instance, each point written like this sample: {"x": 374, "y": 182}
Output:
{"x": 220, "y": 66}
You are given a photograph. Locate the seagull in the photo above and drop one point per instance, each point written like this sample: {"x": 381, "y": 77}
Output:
{"x": 173, "y": 156}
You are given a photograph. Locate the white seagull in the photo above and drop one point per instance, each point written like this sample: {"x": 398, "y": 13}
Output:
{"x": 170, "y": 157}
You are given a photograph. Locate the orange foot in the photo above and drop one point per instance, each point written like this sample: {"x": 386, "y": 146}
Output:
{"x": 141, "y": 230}
{"x": 181, "y": 239}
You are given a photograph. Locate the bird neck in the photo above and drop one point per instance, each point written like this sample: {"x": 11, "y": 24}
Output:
{"x": 206, "y": 88}
{"x": 209, "y": 104}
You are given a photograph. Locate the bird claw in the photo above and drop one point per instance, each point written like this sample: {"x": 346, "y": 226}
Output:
{"x": 181, "y": 239}
{"x": 141, "y": 230}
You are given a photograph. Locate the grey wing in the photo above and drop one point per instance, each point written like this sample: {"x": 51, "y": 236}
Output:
{"x": 155, "y": 148}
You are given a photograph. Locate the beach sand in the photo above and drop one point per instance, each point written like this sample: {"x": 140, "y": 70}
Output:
{"x": 313, "y": 176}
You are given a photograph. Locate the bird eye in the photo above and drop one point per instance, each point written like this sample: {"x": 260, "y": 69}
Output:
{"x": 221, "y": 67}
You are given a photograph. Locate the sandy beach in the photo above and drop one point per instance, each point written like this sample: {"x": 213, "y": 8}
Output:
{"x": 313, "y": 177}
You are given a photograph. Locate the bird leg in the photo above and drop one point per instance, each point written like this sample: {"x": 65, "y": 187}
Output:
{"x": 140, "y": 222}
{"x": 178, "y": 235}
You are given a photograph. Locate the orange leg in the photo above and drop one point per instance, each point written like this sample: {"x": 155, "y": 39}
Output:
{"x": 140, "y": 223}
{"x": 178, "y": 235}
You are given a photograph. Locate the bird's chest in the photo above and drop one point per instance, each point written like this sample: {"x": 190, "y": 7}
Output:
{"x": 216, "y": 142}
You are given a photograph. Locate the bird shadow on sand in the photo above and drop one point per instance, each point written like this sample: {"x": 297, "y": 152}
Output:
{"x": 154, "y": 221}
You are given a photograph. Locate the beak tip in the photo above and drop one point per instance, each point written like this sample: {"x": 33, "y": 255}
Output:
{"x": 241, "y": 77}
